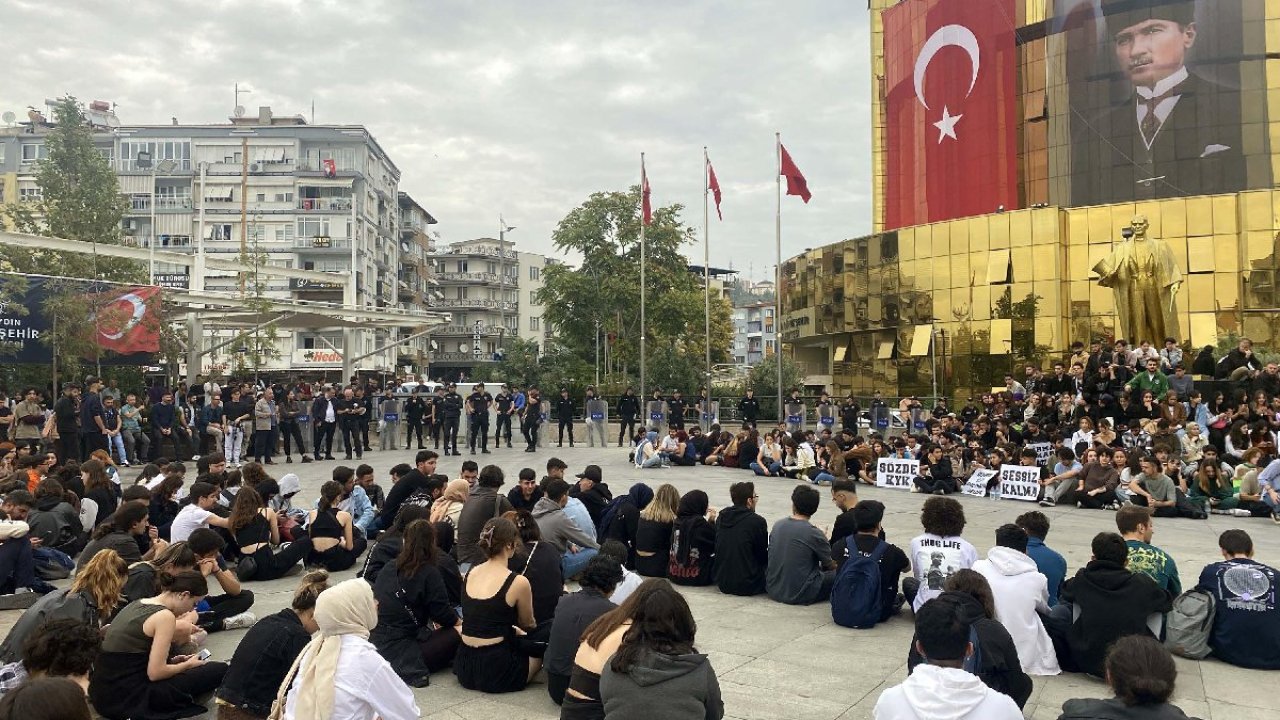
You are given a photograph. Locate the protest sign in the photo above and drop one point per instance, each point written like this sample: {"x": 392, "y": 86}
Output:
{"x": 1019, "y": 482}
{"x": 894, "y": 473}
{"x": 976, "y": 485}
{"x": 1044, "y": 451}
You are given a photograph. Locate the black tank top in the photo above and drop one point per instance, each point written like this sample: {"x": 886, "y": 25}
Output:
{"x": 326, "y": 525}
{"x": 489, "y": 617}
{"x": 257, "y": 531}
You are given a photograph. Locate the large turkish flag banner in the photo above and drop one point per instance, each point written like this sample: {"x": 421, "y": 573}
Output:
{"x": 950, "y": 109}
{"x": 127, "y": 319}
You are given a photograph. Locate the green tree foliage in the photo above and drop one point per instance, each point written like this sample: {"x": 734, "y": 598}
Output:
{"x": 605, "y": 291}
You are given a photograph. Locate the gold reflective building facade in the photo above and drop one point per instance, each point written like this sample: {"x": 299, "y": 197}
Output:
{"x": 956, "y": 305}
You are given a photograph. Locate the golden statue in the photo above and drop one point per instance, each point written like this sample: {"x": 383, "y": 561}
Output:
{"x": 1145, "y": 278}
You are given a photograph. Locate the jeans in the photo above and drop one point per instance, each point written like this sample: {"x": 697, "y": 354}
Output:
{"x": 775, "y": 468}
{"x": 654, "y": 461}
{"x": 222, "y": 607}
{"x": 824, "y": 477}
{"x": 572, "y": 563}
{"x": 17, "y": 566}
{"x": 1271, "y": 503}
{"x": 116, "y": 443}
{"x": 233, "y": 443}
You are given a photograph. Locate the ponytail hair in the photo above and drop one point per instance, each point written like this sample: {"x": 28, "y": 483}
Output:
{"x": 498, "y": 535}
{"x": 125, "y": 517}
{"x": 329, "y": 494}
{"x": 184, "y": 581}
{"x": 313, "y": 583}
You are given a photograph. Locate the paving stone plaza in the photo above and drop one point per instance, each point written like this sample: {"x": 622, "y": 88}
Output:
{"x": 778, "y": 661}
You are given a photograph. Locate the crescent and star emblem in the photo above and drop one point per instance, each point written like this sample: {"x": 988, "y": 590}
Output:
{"x": 945, "y": 36}
{"x": 139, "y": 310}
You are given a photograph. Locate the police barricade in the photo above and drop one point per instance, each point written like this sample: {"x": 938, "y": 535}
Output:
{"x": 596, "y": 416}
{"x": 655, "y": 416}
{"x": 917, "y": 417}
{"x": 388, "y": 423}
{"x": 544, "y": 414}
{"x": 795, "y": 416}
{"x": 827, "y": 416}
{"x": 880, "y": 419}
{"x": 708, "y": 414}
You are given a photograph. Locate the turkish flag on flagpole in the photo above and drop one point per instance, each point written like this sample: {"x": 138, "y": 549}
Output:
{"x": 714, "y": 185}
{"x": 796, "y": 184}
{"x": 646, "y": 206}
{"x": 950, "y": 110}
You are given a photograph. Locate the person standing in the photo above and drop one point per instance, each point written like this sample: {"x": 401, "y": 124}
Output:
{"x": 324, "y": 420}
{"x": 675, "y": 410}
{"x": 293, "y": 414}
{"x": 436, "y": 415}
{"x": 363, "y": 412}
{"x": 594, "y": 419}
{"x": 237, "y": 412}
{"x": 347, "y": 411}
{"x": 628, "y": 411}
{"x": 28, "y": 421}
{"x": 749, "y": 408}
{"x": 263, "y": 419}
{"x": 93, "y": 429}
{"x": 564, "y": 415}
{"x": 136, "y": 442}
{"x": 415, "y": 410}
{"x": 389, "y": 410}
{"x": 66, "y": 414}
{"x": 504, "y": 404}
{"x": 451, "y": 409}
{"x": 532, "y": 419}
{"x": 478, "y": 403}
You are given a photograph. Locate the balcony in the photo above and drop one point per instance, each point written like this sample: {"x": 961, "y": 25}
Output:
{"x": 473, "y": 277}
{"x": 483, "y": 357}
{"x": 325, "y": 204}
{"x": 322, "y": 243}
{"x": 482, "y": 251}
{"x": 173, "y": 203}
{"x": 474, "y": 303}
{"x": 469, "y": 330}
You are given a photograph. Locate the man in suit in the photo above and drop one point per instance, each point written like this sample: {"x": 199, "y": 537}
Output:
{"x": 1175, "y": 133}
{"x": 324, "y": 421}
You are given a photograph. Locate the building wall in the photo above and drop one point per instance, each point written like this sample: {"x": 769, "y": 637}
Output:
{"x": 532, "y": 325}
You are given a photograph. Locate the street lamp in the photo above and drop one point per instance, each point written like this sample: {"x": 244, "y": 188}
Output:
{"x": 143, "y": 161}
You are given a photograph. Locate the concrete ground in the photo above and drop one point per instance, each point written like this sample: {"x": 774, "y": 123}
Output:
{"x": 777, "y": 661}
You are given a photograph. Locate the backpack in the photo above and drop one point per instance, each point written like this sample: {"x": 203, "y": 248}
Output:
{"x": 1188, "y": 625}
{"x": 856, "y": 599}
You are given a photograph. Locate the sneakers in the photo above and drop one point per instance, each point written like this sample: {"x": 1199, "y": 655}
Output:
{"x": 239, "y": 622}
{"x": 1047, "y": 503}
{"x": 1240, "y": 512}
{"x": 1080, "y": 504}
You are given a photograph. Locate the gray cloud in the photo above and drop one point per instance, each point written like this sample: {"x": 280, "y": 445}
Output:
{"x": 522, "y": 108}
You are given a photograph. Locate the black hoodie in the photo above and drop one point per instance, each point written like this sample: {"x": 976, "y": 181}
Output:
{"x": 742, "y": 551}
{"x": 1110, "y": 603}
{"x": 1001, "y": 670}
{"x": 1094, "y": 709}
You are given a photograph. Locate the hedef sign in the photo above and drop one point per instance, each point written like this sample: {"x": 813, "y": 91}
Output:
{"x": 898, "y": 474}
{"x": 1019, "y": 482}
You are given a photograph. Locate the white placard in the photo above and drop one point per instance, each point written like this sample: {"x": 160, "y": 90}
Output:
{"x": 1019, "y": 482}
{"x": 976, "y": 485}
{"x": 897, "y": 474}
{"x": 1044, "y": 451}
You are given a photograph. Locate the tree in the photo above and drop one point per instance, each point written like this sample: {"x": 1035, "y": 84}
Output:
{"x": 80, "y": 200}
{"x": 519, "y": 364}
{"x": 603, "y": 294}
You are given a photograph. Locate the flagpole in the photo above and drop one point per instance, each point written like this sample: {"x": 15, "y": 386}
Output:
{"x": 777, "y": 281}
{"x": 643, "y": 328}
{"x": 706, "y": 268}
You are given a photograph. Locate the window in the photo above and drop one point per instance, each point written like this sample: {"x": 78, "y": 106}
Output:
{"x": 178, "y": 151}
{"x": 512, "y": 322}
{"x": 1, "y": 154}
{"x": 491, "y": 268}
{"x": 313, "y": 227}
{"x": 262, "y": 197}
{"x": 284, "y": 234}
{"x": 462, "y": 293}
{"x": 462, "y": 266}
{"x": 174, "y": 241}
{"x": 533, "y": 297}
{"x": 534, "y": 272}
{"x": 30, "y": 194}
{"x": 534, "y": 323}
{"x": 220, "y": 231}
{"x": 31, "y": 152}
{"x": 284, "y": 197}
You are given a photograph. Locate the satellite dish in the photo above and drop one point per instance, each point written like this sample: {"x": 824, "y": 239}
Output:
{"x": 9, "y": 117}
{"x": 239, "y": 111}
{"x": 463, "y": 347}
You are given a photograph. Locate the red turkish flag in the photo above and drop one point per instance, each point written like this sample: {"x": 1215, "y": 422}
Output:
{"x": 646, "y": 207}
{"x": 330, "y": 168}
{"x": 796, "y": 184}
{"x": 714, "y": 185}
{"x": 126, "y": 319}
{"x": 950, "y": 110}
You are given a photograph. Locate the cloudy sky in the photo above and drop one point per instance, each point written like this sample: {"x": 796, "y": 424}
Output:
{"x": 519, "y": 108}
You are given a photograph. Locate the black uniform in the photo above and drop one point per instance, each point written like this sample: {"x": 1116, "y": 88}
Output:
{"x": 415, "y": 409}
{"x": 563, "y": 411}
{"x": 849, "y": 413}
{"x": 437, "y": 417}
{"x": 478, "y": 420}
{"x": 530, "y": 421}
{"x": 675, "y": 412}
{"x": 349, "y": 424}
{"x": 628, "y": 411}
{"x": 749, "y": 409}
{"x": 505, "y": 403}
{"x": 362, "y": 420}
{"x": 452, "y": 410}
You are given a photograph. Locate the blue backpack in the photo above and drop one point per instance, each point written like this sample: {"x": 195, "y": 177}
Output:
{"x": 856, "y": 599}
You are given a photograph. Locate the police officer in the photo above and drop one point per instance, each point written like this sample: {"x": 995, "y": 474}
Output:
{"x": 628, "y": 411}
{"x": 415, "y": 409}
{"x": 363, "y": 414}
{"x": 346, "y": 409}
{"x": 437, "y": 415}
{"x": 749, "y": 408}
{"x": 675, "y": 411}
{"x": 451, "y": 409}
{"x": 506, "y": 408}
{"x": 849, "y": 414}
{"x": 531, "y": 419}
{"x": 478, "y": 418}
{"x": 595, "y": 427}
{"x": 564, "y": 413}
{"x": 825, "y": 412}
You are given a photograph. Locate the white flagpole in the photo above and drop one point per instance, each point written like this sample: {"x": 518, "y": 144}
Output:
{"x": 643, "y": 328}
{"x": 777, "y": 280}
{"x": 706, "y": 267}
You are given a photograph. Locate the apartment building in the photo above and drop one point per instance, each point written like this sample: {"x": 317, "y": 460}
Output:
{"x": 753, "y": 333}
{"x": 278, "y": 191}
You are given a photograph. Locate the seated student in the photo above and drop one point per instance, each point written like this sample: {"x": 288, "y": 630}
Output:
{"x": 1142, "y": 673}
{"x": 1136, "y": 527}
{"x": 1048, "y": 561}
{"x": 742, "y": 543}
{"x": 939, "y": 552}
{"x": 91, "y": 601}
{"x": 936, "y": 475}
{"x": 800, "y": 569}
{"x": 1103, "y": 602}
{"x": 354, "y": 500}
{"x": 411, "y": 484}
{"x": 135, "y": 677}
{"x": 598, "y": 644}
{"x": 574, "y": 613}
{"x": 55, "y": 520}
{"x": 653, "y": 532}
{"x": 868, "y": 516}
{"x": 593, "y": 492}
{"x": 630, "y": 580}
{"x": 265, "y": 653}
{"x": 622, "y": 518}
{"x": 17, "y": 566}
{"x": 335, "y": 543}
{"x": 339, "y": 675}
{"x": 540, "y": 564}
{"x": 999, "y": 668}
{"x": 576, "y": 545}
{"x": 372, "y": 490}
{"x": 495, "y": 601}
{"x": 1246, "y": 625}
{"x": 1152, "y": 488}
{"x": 1021, "y": 593}
{"x": 129, "y": 522}
{"x": 526, "y": 493}
{"x": 387, "y": 548}
{"x": 230, "y": 610}
{"x": 1056, "y": 486}
{"x": 64, "y": 647}
{"x": 416, "y": 622}
{"x": 944, "y": 684}
{"x": 1095, "y": 486}
{"x": 255, "y": 529}
{"x": 198, "y": 513}
{"x": 647, "y": 454}
{"x": 164, "y": 504}
{"x": 485, "y": 503}
{"x": 48, "y": 698}
{"x": 844, "y": 495}
{"x": 693, "y": 541}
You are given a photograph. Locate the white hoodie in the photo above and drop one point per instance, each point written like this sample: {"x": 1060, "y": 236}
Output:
{"x": 938, "y": 693}
{"x": 1020, "y": 591}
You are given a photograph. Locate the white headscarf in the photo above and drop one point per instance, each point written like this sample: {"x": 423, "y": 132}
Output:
{"x": 344, "y": 609}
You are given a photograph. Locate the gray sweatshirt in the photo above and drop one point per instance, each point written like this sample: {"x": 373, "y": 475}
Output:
{"x": 558, "y": 528}
{"x": 671, "y": 687}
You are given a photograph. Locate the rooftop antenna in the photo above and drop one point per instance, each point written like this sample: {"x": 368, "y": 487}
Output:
{"x": 239, "y": 109}
{"x": 313, "y": 111}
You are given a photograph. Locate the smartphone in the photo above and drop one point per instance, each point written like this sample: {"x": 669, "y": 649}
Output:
{"x": 205, "y": 654}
